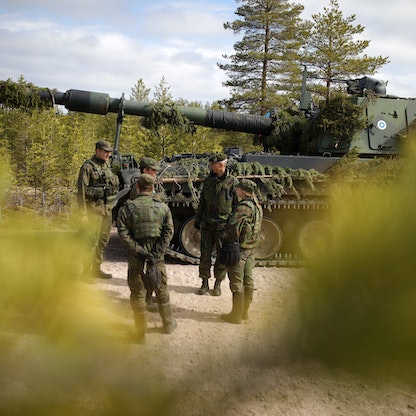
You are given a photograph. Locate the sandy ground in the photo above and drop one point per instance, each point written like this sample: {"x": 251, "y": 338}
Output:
{"x": 246, "y": 369}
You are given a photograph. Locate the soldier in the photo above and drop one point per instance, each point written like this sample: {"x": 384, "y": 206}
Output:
{"x": 217, "y": 200}
{"x": 243, "y": 227}
{"x": 149, "y": 166}
{"x": 146, "y": 165}
{"x": 97, "y": 189}
{"x": 145, "y": 227}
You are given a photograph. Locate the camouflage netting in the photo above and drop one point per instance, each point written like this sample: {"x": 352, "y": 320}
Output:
{"x": 273, "y": 182}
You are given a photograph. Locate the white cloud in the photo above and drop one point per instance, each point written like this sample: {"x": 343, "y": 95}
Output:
{"x": 106, "y": 46}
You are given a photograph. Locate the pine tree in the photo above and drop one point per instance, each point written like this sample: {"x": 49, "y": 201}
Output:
{"x": 265, "y": 70}
{"x": 333, "y": 51}
{"x": 140, "y": 92}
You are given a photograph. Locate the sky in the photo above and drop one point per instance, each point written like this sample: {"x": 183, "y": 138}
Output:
{"x": 107, "y": 46}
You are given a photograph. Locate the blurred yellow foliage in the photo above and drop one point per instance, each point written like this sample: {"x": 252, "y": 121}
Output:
{"x": 357, "y": 306}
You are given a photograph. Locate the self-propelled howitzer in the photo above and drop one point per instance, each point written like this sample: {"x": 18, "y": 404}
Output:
{"x": 290, "y": 187}
{"x": 293, "y": 206}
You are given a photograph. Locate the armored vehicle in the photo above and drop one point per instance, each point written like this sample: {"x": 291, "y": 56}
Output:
{"x": 291, "y": 188}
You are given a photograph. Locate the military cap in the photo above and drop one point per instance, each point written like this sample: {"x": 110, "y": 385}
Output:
{"x": 148, "y": 162}
{"x": 145, "y": 181}
{"x": 104, "y": 145}
{"x": 218, "y": 157}
{"x": 247, "y": 185}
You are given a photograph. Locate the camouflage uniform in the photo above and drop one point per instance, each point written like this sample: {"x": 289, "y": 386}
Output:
{"x": 97, "y": 189}
{"x": 145, "y": 227}
{"x": 243, "y": 225}
{"x": 145, "y": 164}
{"x": 150, "y": 166}
{"x": 216, "y": 203}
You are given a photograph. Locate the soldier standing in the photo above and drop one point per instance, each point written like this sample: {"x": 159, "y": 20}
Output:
{"x": 243, "y": 227}
{"x": 217, "y": 200}
{"x": 145, "y": 227}
{"x": 146, "y": 165}
{"x": 149, "y": 166}
{"x": 97, "y": 189}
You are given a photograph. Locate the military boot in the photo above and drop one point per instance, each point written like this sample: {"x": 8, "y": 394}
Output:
{"x": 203, "y": 290}
{"x": 217, "y": 288}
{"x": 234, "y": 317}
{"x": 248, "y": 298}
{"x": 140, "y": 322}
{"x": 150, "y": 304}
{"x": 169, "y": 323}
{"x": 97, "y": 272}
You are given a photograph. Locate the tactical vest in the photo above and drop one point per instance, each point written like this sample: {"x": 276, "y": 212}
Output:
{"x": 104, "y": 184}
{"x": 219, "y": 197}
{"x": 252, "y": 226}
{"x": 145, "y": 212}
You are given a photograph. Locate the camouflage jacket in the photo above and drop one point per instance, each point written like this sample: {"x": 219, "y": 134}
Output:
{"x": 244, "y": 223}
{"x": 145, "y": 223}
{"x": 97, "y": 186}
{"x": 217, "y": 200}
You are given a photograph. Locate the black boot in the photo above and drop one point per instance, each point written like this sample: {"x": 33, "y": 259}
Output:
{"x": 217, "y": 288}
{"x": 234, "y": 317}
{"x": 97, "y": 272}
{"x": 169, "y": 323}
{"x": 140, "y": 322}
{"x": 203, "y": 290}
{"x": 248, "y": 298}
{"x": 151, "y": 306}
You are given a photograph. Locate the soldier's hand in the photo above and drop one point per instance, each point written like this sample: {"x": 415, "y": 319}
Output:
{"x": 144, "y": 254}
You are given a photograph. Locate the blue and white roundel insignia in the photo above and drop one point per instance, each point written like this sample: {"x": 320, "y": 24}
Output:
{"x": 381, "y": 125}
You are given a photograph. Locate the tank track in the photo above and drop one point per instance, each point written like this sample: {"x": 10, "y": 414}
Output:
{"x": 280, "y": 259}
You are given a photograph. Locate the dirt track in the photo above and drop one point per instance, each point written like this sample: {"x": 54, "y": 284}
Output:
{"x": 220, "y": 368}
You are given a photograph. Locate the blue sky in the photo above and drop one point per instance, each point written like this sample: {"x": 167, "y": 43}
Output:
{"x": 106, "y": 46}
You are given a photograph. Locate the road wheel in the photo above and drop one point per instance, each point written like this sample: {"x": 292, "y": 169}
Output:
{"x": 270, "y": 239}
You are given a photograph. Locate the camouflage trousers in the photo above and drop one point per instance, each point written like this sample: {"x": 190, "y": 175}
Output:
{"x": 210, "y": 241}
{"x": 99, "y": 229}
{"x": 136, "y": 286}
{"x": 241, "y": 275}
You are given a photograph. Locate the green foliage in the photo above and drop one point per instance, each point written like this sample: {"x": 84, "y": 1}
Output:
{"x": 59, "y": 354}
{"x": 334, "y": 51}
{"x": 287, "y": 133}
{"x": 357, "y": 304}
{"x": 262, "y": 67}
{"x": 20, "y": 94}
{"x": 169, "y": 126}
{"x": 339, "y": 118}
{"x": 273, "y": 181}
{"x": 168, "y": 114}
{"x": 140, "y": 92}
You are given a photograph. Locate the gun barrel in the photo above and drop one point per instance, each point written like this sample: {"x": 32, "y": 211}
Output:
{"x": 102, "y": 103}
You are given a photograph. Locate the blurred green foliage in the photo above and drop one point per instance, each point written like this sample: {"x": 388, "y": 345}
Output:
{"x": 357, "y": 305}
{"x": 59, "y": 353}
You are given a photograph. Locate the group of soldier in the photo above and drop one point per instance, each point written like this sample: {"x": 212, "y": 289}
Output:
{"x": 228, "y": 217}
